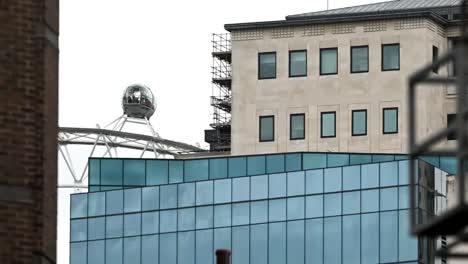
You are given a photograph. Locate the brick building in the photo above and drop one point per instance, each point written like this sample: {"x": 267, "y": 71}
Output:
{"x": 28, "y": 131}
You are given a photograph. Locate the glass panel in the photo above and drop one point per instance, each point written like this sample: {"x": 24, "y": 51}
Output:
{"x": 370, "y": 176}
{"x": 259, "y": 244}
{"x": 96, "y": 228}
{"x": 78, "y": 230}
{"x": 390, "y": 120}
{"x": 132, "y": 224}
{"x": 204, "y": 192}
{"x": 240, "y": 189}
{"x": 351, "y": 202}
{"x": 359, "y": 59}
{"x": 277, "y": 210}
{"x": 335, "y": 160}
{"x": 132, "y": 200}
{"x": 370, "y": 238}
{"x": 277, "y": 243}
{"x": 314, "y": 181}
{"x": 351, "y": 239}
{"x": 79, "y": 205}
{"x": 295, "y": 242}
{"x": 156, "y": 172}
{"x": 222, "y": 191}
{"x": 293, "y": 162}
{"x": 332, "y": 240}
{"x": 196, "y": 170}
{"x": 359, "y": 159}
{"x": 328, "y": 61}
{"x": 95, "y": 188}
{"x": 240, "y": 244}
{"x": 267, "y": 65}
{"x": 218, "y": 168}
{"x": 295, "y": 208}
{"x": 332, "y": 204}
{"x": 150, "y": 223}
{"x": 408, "y": 245}
{"x": 96, "y": 204}
{"x": 297, "y": 63}
{"x": 297, "y": 126}
{"x": 259, "y": 187}
{"x": 168, "y": 195}
{"x": 369, "y": 201}
{"x": 78, "y": 253}
{"x": 168, "y": 248}
{"x": 267, "y": 128}
{"x": 314, "y": 241}
{"x": 351, "y": 178}
{"x": 382, "y": 158}
{"x": 96, "y": 252}
{"x": 222, "y": 238}
{"x": 403, "y": 197}
{"x": 134, "y": 172}
{"x": 167, "y": 221}
{"x": 237, "y": 167}
{"x": 132, "y": 250}
{"x": 256, "y": 165}
{"x": 114, "y": 202}
{"x": 314, "y": 161}
{"x": 222, "y": 215}
{"x": 150, "y": 197}
{"x": 114, "y": 226}
{"x": 204, "y": 217}
{"x": 176, "y": 171}
{"x": 359, "y": 123}
{"x": 277, "y": 185}
{"x": 186, "y": 194}
{"x": 332, "y": 178}
{"x": 186, "y": 247}
{"x": 204, "y": 246}
{"x": 388, "y": 199}
{"x": 114, "y": 251}
{"x": 389, "y": 173}
{"x": 240, "y": 214}
{"x": 275, "y": 163}
{"x": 150, "y": 249}
{"x": 296, "y": 183}
{"x": 391, "y": 57}
{"x": 259, "y": 212}
{"x": 186, "y": 219}
{"x": 111, "y": 172}
{"x": 328, "y": 125}
{"x": 389, "y": 236}
{"x": 314, "y": 206}
{"x": 403, "y": 172}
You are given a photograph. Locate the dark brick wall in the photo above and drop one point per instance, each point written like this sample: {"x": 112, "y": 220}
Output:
{"x": 28, "y": 130}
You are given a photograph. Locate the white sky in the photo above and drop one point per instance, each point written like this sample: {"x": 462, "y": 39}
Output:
{"x": 106, "y": 45}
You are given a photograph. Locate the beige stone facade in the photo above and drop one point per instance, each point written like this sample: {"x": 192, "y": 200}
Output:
{"x": 343, "y": 92}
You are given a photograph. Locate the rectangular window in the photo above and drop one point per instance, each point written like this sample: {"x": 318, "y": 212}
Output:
{"x": 450, "y": 120}
{"x": 267, "y": 65}
{"x": 390, "y": 120}
{"x": 359, "y": 122}
{"x": 267, "y": 128}
{"x": 297, "y": 63}
{"x": 297, "y": 126}
{"x": 328, "y": 124}
{"x": 435, "y": 55}
{"x": 359, "y": 59}
{"x": 390, "y": 57}
{"x": 328, "y": 61}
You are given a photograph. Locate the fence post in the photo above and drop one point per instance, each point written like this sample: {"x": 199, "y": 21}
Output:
{"x": 223, "y": 256}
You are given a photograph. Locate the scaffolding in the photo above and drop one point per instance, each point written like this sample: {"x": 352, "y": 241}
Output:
{"x": 219, "y": 137}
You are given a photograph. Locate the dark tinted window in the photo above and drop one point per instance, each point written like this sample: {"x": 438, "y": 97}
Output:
{"x": 328, "y": 61}
{"x": 267, "y": 65}
{"x": 297, "y": 63}
{"x": 328, "y": 124}
{"x": 359, "y": 59}
{"x": 450, "y": 120}
{"x": 267, "y": 128}
{"x": 297, "y": 126}
{"x": 359, "y": 122}
{"x": 390, "y": 57}
{"x": 390, "y": 120}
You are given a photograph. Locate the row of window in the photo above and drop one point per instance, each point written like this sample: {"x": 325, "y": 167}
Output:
{"x": 328, "y": 61}
{"x": 328, "y": 124}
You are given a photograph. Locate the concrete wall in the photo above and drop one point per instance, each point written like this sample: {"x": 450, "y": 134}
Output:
{"x": 342, "y": 93}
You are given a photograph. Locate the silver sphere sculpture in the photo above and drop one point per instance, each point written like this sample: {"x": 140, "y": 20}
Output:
{"x": 138, "y": 101}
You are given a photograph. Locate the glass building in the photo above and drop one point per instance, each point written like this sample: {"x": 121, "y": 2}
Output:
{"x": 281, "y": 208}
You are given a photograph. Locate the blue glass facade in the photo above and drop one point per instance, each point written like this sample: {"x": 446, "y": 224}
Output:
{"x": 279, "y": 208}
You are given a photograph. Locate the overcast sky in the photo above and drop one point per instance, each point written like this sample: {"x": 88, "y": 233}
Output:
{"x": 106, "y": 45}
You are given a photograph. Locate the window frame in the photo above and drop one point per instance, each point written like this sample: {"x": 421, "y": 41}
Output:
{"x": 289, "y": 61}
{"x": 260, "y": 128}
{"x": 320, "y": 62}
{"x": 321, "y": 124}
{"x": 435, "y": 56}
{"x": 352, "y": 122}
{"x": 351, "y": 56}
{"x": 290, "y": 126}
{"x": 382, "y": 56}
{"x": 258, "y": 65}
{"x": 383, "y": 120}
